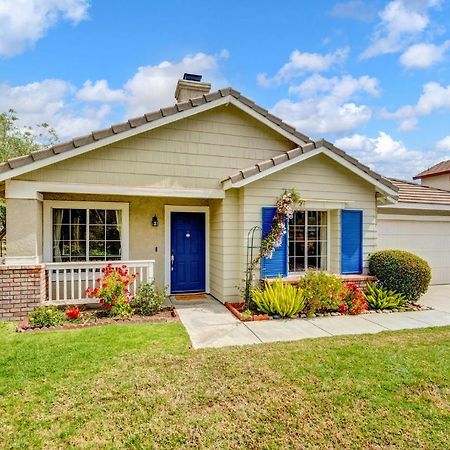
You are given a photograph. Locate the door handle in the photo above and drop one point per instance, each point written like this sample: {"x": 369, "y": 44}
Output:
{"x": 172, "y": 259}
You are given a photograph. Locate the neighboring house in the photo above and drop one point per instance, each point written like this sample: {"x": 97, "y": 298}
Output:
{"x": 182, "y": 186}
{"x": 437, "y": 176}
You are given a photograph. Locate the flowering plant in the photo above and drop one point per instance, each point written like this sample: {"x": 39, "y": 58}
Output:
{"x": 112, "y": 290}
{"x": 353, "y": 301}
{"x": 72, "y": 312}
{"x": 285, "y": 207}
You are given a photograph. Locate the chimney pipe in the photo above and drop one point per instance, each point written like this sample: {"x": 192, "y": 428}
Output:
{"x": 191, "y": 86}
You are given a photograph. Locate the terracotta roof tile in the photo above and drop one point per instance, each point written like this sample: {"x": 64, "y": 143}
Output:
{"x": 437, "y": 169}
{"x": 416, "y": 193}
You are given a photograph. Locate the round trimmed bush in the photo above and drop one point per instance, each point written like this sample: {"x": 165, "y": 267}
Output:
{"x": 401, "y": 271}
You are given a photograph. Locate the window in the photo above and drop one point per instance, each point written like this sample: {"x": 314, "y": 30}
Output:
{"x": 308, "y": 241}
{"x": 86, "y": 234}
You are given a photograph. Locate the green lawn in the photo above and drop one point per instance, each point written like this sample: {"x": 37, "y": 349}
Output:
{"x": 141, "y": 386}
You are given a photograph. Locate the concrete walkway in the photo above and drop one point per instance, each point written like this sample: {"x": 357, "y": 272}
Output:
{"x": 210, "y": 324}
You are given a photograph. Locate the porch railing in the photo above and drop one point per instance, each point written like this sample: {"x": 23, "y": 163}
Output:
{"x": 67, "y": 282}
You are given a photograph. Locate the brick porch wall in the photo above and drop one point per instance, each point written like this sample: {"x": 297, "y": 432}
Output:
{"x": 21, "y": 289}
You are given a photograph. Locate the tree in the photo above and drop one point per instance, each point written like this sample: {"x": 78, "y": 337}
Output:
{"x": 19, "y": 141}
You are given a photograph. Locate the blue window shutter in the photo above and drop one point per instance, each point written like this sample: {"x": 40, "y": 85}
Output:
{"x": 278, "y": 264}
{"x": 351, "y": 241}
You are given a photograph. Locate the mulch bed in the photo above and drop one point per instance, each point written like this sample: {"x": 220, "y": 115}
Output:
{"x": 237, "y": 310}
{"x": 169, "y": 315}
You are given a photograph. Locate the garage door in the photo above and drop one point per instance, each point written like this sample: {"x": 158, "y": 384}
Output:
{"x": 428, "y": 237}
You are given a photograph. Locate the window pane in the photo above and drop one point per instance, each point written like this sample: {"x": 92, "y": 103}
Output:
{"x": 299, "y": 217}
{"x": 78, "y": 232}
{"x": 78, "y": 248}
{"x": 61, "y": 215}
{"x": 113, "y": 249}
{"x": 292, "y": 264}
{"x": 312, "y": 217}
{"x": 313, "y": 248}
{"x": 65, "y": 248}
{"x": 96, "y": 232}
{"x": 312, "y": 233}
{"x": 313, "y": 263}
{"x": 96, "y": 216}
{"x": 78, "y": 216}
{"x": 114, "y": 217}
{"x": 96, "y": 249}
{"x": 299, "y": 249}
{"x": 300, "y": 264}
{"x": 300, "y": 233}
{"x": 112, "y": 233}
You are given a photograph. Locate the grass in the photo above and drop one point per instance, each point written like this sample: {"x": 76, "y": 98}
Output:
{"x": 142, "y": 386}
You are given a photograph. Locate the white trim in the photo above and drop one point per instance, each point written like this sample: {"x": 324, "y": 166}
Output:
{"x": 413, "y": 217}
{"x": 229, "y": 99}
{"x": 31, "y": 190}
{"x": 168, "y": 209}
{"x": 424, "y": 206}
{"x": 321, "y": 205}
{"x": 48, "y": 222}
{"x": 304, "y": 156}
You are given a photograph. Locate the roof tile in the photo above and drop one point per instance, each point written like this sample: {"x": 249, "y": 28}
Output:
{"x": 417, "y": 193}
{"x": 4, "y": 167}
{"x": 439, "y": 168}
{"x": 169, "y": 111}
{"x": 264, "y": 165}
{"x": 182, "y": 106}
{"x": 225, "y": 91}
{"x": 212, "y": 96}
{"x": 102, "y": 134}
{"x": 137, "y": 121}
{"x": 234, "y": 93}
{"x": 19, "y": 161}
{"x": 274, "y": 119}
{"x": 197, "y": 101}
{"x": 294, "y": 153}
{"x": 83, "y": 140}
{"x": 42, "y": 154}
{"x": 246, "y": 101}
{"x": 246, "y": 173}
{"x": 287, "y": 127}
{"x": 279, "y": 159}
{"x": 120, "y": 127}
{"x": 308, "y": 147}
{"x": 155, "y": 115}
{"x": 63, "y": 147}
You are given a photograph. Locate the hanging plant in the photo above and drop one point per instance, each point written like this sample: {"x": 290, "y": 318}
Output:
{"x": 285, "y": 207}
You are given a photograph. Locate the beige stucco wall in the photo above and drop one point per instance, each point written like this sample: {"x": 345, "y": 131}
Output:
{"x": 438, "y": 181}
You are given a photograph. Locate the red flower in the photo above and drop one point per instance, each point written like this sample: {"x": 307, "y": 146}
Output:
{"x": 72, "y": 312}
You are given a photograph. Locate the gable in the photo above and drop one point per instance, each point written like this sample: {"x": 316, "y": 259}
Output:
{"x": 195, "y": 152}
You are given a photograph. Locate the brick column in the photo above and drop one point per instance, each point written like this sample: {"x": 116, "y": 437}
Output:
{"x": 22, "y": 288}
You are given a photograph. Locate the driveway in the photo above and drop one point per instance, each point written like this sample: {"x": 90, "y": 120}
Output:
{"x": 210, "y": 324}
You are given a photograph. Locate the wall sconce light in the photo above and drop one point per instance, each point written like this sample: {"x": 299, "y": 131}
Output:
{"x": 155, "y": 222}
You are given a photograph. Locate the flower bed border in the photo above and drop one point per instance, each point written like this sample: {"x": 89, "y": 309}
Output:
{"x": 161, "y": 317}
{"x": 234, "y": 309}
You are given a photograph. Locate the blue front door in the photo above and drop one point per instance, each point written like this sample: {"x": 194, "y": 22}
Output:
{"x": 188, "y": 262}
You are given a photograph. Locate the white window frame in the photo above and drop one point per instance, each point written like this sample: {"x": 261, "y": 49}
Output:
{"x": 328, "y": 259}
{"x": 168, "y": 209}
{"x": 49, "y": 205}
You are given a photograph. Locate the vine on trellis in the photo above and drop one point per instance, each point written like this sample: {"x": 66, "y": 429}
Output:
{"x": 285, "y": 207}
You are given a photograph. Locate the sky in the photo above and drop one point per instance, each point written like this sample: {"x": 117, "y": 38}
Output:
{"x": 371, "y": 76}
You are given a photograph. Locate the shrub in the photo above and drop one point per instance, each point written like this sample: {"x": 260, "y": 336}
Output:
{"x": 112, "y": 291}
{"x": 322, "y": 291}
{"x": 280, "y": 299}
{"x": 378, "y": 297}
{"x": 72, "y": 313}
{"x": 353, "y": 300}
{"x": 148, "y": 299}
{"x": 401, "y": 272}
{"x": 46, "y": 316}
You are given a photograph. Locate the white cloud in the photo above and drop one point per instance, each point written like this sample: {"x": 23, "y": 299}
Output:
{"x": 23, "y": 22}
{"x": 388, "y": 156}
{"x": 354, "y": 9}
{"x": 51, "y": 101}
{"x": 423, "y": 56}
{"x": 154, "y": 85}
{"x": 434, "y": 97}
{"x": 74, "y": 112}
{"x": 401, "y": 21}
{"x": 301, "y": 62}
{"x": 444, "y": 144}
{"x": 100, "y": 92}
{"x": 324, "y": 105}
